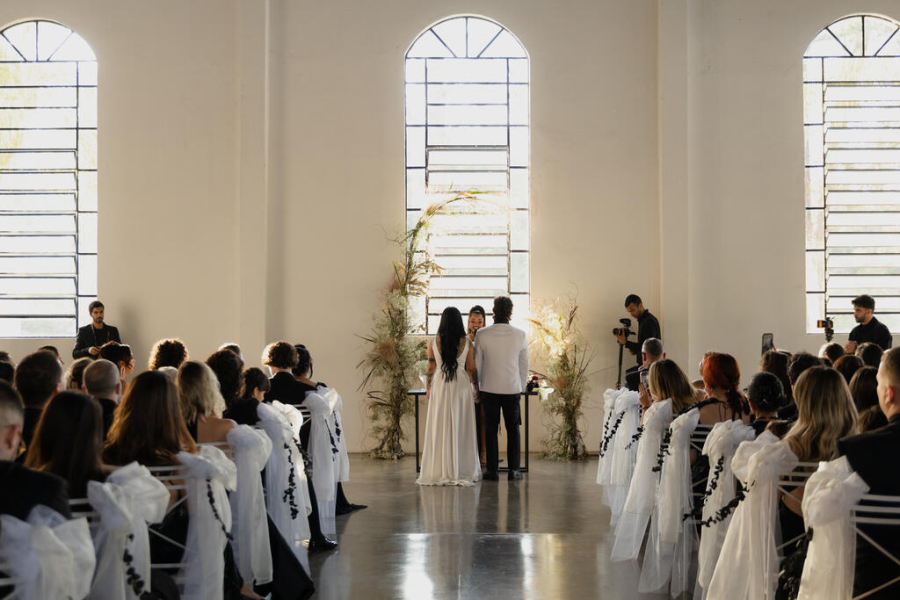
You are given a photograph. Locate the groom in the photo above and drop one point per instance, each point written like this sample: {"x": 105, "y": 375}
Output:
{"x": 501, "y": 361}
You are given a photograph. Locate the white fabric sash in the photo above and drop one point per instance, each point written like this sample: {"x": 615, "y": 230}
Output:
{"x": 47, "y": 555}
{"x": 251, "y": 449}
{"x": 829, "y": 495}
{"x": 342, "y": 464}
{"x": 748, "y": 562}
{"x": 130, "y": 498}
{"x": 609, "y": 405}
{"x": 320, "y": 448}
{"x": 672, "y": 537}
{"x": 720, "y": 446}
{"x": 628, "y": 415}
{"x": 287, "y": 497}
{"x": 207, "y": 476}
{"x": 642, "y": 491}
{"x": 294, "y": 419}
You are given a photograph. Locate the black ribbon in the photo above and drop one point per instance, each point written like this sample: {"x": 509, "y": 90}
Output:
{"x": 215, "y": 511}
{"x": 289, "y": 493}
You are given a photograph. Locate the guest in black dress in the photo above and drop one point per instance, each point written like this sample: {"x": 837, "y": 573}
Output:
{"x": 766, "y": 397}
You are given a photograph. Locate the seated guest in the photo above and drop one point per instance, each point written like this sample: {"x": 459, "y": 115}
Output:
{"x": 870, "y": 354}
{"x": 826, "y": 413}
{"x": 74, "y": 376}
{"x": 202, "y": 404}
{"x": 832, "y": 351}
{"x": 38, "y": 378}
{"x": 722, "y": 379}
{"x": 254, "y": 385}
{"x": 873, "y": 455}
{"x": 92, "y": 337}
{"x": 7, "y": 371}
{"x": 54, "y": 351}
{"x": 167, "y": 353}
{"x": 21, "y": 489}
{"x": 668, "y": 381}
{"x": 281, "y": 357}
{"x": 869, "y": 329}
{"x": 776, "y": 362}
{"x": 864, "y": 389}
{"x": 101, "y": 380}
{"x": 68, "y": 442}
{"x": 234, "y": 348}
{"x": 765, "y": 396}
{"x": 228, "y": 367}
{"x": 848, "y": 365}
{"x": 651, "y": 352}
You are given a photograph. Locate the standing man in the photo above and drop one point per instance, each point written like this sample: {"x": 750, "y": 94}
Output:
{"x": 648, "y": 327}
{"x": 501, "y": 362}
{"x": 91, "y": 337}
{"x": 869, "y": 329}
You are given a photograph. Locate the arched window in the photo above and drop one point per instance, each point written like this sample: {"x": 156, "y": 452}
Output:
{"x": 48, "y": 180}
{"x": 467, "y": 120}
{"x": 851, "y": 116}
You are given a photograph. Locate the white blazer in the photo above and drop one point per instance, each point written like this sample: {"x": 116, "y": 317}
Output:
{"x": 501, "y": 358}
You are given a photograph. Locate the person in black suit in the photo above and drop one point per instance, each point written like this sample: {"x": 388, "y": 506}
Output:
{"x": 92, "y": 337}
{"x": 21, "y": 489}
{"x": 38, "y": 377}
{"x": 874, "y": 456}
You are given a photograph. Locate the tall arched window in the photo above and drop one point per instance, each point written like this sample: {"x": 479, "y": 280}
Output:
{"x": 48, "y": 179}
{"x": 467, "y": 120}
{"x": 851, "y": 92}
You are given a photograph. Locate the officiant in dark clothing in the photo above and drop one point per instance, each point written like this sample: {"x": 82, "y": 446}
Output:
{"x": 648, "y": 327}
{"x": 92, "y": 337}
{"x": 869, "y": 329}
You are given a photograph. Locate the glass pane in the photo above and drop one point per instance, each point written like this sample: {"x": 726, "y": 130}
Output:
{"x": 481, "y": 32}
{"x": 38, "y": 223}
{"x": 490, "y": 244}
{"x": 74, "y": 48}
{"x": 872, "y": 241}
{"x": 87, "y": 107}
{"x": 518, "y": 70}
{"x": 415, "y": 69}
{"x": 417, "y": 315}
{"x": 839, "y": 199}
{"x": 862, "y": 135}
{"x": 469, "y": 93}
{"x": 37, "y": 265}
{"x": 504, "y": 46}
{"x": 10, "y": 307}
{"x": 33, "y": 118}
{"x": 873, "y": 220}
{"x": 877, "y": 33}
{"x": 36, "y": 181}
{"x": 519, "y": 192}
{"x": 37, "y": 244}
{"x": 815, "y": 310}
{"x": 87, "y": 190}
{"x": 37, "y": 202}
{"x": 892, "y": 48}
{"x": 453, "y": 33}
{"x": 428, "y": 45}
{"x": 467, "y": 136}
{"x": 519, "y": 232}
{"x": 463, "y": 286}
{"x": 7, "y": 52}
{"x": 36, "y": 97}
{"x": 862, "y": 69}
{"x": 87, "y": 275}
{"x": 466, "y": 70}
{"x": 886, "y": 262}
{"x": 412, "y": 217}
{"x": 415, "y": 146}
{"x": 50, "y": 37}
{"x": 824, "y": 44}
{"x": 468, "y": 158}
{"x": 475, "y": 265}
{"x": 862, "y": 113}
{"x": 38, "y": 139}
{"x": 812, "y": 103}
{"x": 467, "y": 181}
{"x": 24, "y": 37}
{"x": 815, "y": 145}
{"x": 518, "y": 277}
{"x": 518, "y": 104}
{"x": 471, "y": 223}
{"x": 849, "y": 32}
{"x": 415, "y": 188}
{"x": 815, "y": 271}
{"x": 87, "y": 148}
{"x": 812, "y": 69}
{"x": 862, "y": 92}
{"x": 87, "y": 73}
{"x": 862, "y": 157}
{"x": 521, "y": 311}
{"x": 39, "y": 286}
{"x": 518, "y": 146}
{"x": 84, "y": 317}
{"x": 37, "y": 327}
{"x": 467, "y": 115}
{"x": 415, "y": 104}
{"x": 27, "y": 161}
{"x": 867, "y": 178}
{"x": 34, "y": 74}
{"x": 87, "y": 233}
{"x": 815, "y": 229}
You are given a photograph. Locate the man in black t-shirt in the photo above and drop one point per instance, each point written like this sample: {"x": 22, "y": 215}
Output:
{"x": 869, "y": 329}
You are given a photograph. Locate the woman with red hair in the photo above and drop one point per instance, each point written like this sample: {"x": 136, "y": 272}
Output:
{"x": 721, "y": 378}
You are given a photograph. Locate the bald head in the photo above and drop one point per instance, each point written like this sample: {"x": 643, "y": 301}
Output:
{"x": 889, "y": 383}
{"x": 101, "y": 379}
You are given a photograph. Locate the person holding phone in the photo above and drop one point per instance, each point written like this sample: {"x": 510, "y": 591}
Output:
{"x": 121, "y": 356}
{"x": 651, "y": 352}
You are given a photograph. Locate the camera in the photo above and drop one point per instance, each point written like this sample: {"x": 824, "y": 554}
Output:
{"x": 828, "y": 325}
{"x": 625, "y": 329}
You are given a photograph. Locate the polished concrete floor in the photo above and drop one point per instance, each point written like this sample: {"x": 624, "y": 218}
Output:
{"x": 544, "y": 537}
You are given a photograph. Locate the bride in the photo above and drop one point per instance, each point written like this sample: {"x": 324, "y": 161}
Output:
{"x": 450, "y": 452}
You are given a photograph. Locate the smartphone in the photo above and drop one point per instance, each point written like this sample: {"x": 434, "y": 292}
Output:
{"x": 645, "y": 379}
{"x": 768, "y": 342}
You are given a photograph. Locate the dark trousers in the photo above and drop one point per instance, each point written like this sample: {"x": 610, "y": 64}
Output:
{"x": 493, "y": 404}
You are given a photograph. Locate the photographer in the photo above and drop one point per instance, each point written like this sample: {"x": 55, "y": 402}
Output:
{"x": 648, "y": 327}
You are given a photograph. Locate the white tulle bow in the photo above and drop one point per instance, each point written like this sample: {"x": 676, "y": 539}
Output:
{"x": 342, "y": 464}
{"x": 251, "y": 450}
{"x": 47, "y": 555}
{"x": 829, "y": 495}
{"x": 624, "y": 452}
{"x": 320, "y": 447}
{"x": 130, "y": 498}
{"x": 603, "y": 468}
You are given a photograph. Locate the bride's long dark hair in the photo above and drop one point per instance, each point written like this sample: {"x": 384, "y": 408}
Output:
{"x": 450, "y": 331}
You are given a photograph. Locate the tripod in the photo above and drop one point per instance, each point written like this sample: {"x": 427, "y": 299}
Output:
{"x": 619, "y": 378}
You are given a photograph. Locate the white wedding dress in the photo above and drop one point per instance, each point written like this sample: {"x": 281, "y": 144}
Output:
{"x": 450, "y": 450}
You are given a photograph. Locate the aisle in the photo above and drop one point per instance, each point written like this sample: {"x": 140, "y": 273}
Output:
{"x": 545, "y": 537}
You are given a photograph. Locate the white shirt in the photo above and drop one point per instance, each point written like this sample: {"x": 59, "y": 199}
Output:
{"x": 501, "y": 358}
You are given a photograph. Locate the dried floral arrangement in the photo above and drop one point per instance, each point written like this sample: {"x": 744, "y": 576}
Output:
{"x": 394, "y": 352}
{"x": 567, "y": 356}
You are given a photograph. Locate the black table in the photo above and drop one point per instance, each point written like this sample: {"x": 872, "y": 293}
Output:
{"x": 417, "y": 393}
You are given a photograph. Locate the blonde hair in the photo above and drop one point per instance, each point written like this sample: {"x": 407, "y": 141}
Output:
{"x": 198, "y": 390}
{"x": 667, "y": 380}
{"x": 826, "y": 413}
